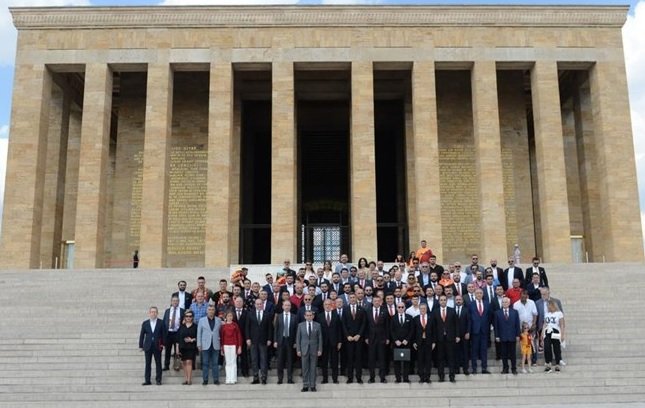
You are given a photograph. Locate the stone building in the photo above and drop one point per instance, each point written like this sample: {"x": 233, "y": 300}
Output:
{"x": 206, "y": 136}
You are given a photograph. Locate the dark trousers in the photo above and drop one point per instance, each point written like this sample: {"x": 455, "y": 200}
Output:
{"x": 424, "y": 359}
{"x": 342, "y": 357}
{"x": 156, "y": 353}
{"x": 508, "y": 353}
{"x": 284, "y": 354}
{"x": 498, "y": 350}
{"x": 479, "y": 350}
{"x": 259, "y": 360}
{"x": 462, "y": 355}
{"x": 446, "y": 356}
{"x": 354, "y": 359}
{"x": 401, "y": 368}
{"x": 329, "y": 358}
{"x": 171, "y": 340}
{"x": 552, "y": 347}
{"x": 244, "y": 360}
{"x": 376, "y": 357}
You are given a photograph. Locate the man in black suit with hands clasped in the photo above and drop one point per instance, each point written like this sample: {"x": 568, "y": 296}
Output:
{"x": 151, "y": 343}
{"x": 446, "y": 331}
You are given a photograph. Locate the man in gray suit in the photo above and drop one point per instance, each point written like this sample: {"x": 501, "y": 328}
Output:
{"x": 208, "y": 343}
{"x": 309, "y": 348}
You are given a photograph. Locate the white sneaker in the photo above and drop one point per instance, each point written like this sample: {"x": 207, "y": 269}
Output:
{"x": 563, "y": 363}
{"x": 524, "y": 371}
{"x": 531, "y": 370}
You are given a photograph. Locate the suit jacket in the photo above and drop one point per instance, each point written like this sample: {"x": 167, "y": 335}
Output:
{"x": 544, "y": 281}
{"x": 269, "y": 290}
{"x": 149, "y": 339}
{"x": 332, "y": 334}
{"x": 496, "y": 304}
{"x": 337, "y": 287}
{"x": 207, "y": 337}
{"x": 534, "y": 293}
{"x": 279, "y": 329}
{"x": 241, "y": 322}
{"x": 353, "y": 326}
{"x": 486, "y": 297}
{"x": 166, "y": 321}
{"x": 466, "y": 297}
{"x": 259, "y": 332}
{"x": 464, "y": 320}
{"x": 303, "y": 309}
{"x": 517, "y": 274}
{"x": 188, "y": 299}
{"x": 450, "y": 327}
{"x": 479, "y": 324}
{"x": 464, "y": 288}
{"x": 377, "y": 330}
{"x": 539, "y": 305}
{"x": 309, "y": 343}
{"x": 400, "y": 331}
{"x": 418, "y": 330}
{"x": 507, "y": 330}
{"x": 319, "y": 302}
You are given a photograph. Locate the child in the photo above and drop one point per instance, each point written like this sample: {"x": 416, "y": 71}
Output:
{"x": 526, "y": 346}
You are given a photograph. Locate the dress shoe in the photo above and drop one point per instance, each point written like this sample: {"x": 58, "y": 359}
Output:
{"x": 216, "y": 382}
{"x": 466, "y": 372}
{"x": 264, "y": 381}
{"x": 205, "y": 382}
{"x": 313, "y": 389}
{"x": 505, "y": 371}
{"x": 442, "y": 379}
{"x": 485, "y": 372}
{"x": 158, "y": 382}
{"x": 359, "y": 381}
{"x": 397, "y": 381}
{"x": 166, "y": 369}
{"x": 370, "y": 381}
{"x": 290, "y": 381}
{"x": 422, "y": 380}
{"x": 452, "y": 379}
{"x": 514, "y": 372}
{"x": 406, "y": 380}
{"x": 428, "y": 380}
{"x": 146, "y": 383}
{"x": 256, "y": 381}
{"x": 304, "y": 389}
{"x": 350, "y": 381}
{"x": 383, "y": 381}
{"x": 280, "y": 381}
{"x": 324, "y": 381}
{"x": 335, "y": 381}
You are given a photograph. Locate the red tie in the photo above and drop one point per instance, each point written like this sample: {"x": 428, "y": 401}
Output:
{"x": 480, "y": 308}
{"x": 443, "y": 314}
{"x": 391, "y": 310}
{"x": 423, "y": 321}
{"x": 375, "y": 314}
{"x": 506, "y": 313}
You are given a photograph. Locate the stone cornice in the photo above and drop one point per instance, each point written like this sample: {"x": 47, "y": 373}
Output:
{"x": 36, "y": 18}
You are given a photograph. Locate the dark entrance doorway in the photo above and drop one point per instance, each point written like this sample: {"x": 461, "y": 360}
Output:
{"x": 323, "y": 164}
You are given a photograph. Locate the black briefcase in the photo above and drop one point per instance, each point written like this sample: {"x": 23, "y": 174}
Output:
{"x": 401, "y": 354}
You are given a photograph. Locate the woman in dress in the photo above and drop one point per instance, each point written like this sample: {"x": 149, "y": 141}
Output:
{"x": 187, "y": 335}
{"x": 231, "y": 340}
{"x": 553, "y": 335}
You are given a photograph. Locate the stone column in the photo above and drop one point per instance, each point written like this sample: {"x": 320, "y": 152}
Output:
{"x": 93, "y": 167}
{"x": 284, "y": 197}
{"x": 219, "y": 230}
{"x": 622, "y": 237}
{"x": 549, "y": 157}
{"x": 21, "y": 221}
{"x": 71, "y": 174}
{"x": 488, "y": 154}
{"x": 362, "y": 162}
{"x": 426, "y": 159}
{"x": 156, "y": 166}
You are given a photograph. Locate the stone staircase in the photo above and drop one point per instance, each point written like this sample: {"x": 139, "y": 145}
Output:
{"x": 69, "y": 339}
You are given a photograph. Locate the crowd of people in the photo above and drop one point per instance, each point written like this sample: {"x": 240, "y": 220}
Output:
{"x": 414, "y": 317}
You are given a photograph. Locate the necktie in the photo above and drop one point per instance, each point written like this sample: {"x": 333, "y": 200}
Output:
{"x": 309, "y": 329}
{"x": 480, "y": 308}
{"x": 458, "y": 311}
{"x": 353, "y": 311}
{"x": 391, "y": 310}
{"x": 286, "y": 325}
{"x": 173, "y": 318}
{"x": 401, "y": 319}
{"x": 423, "y": 321}
{"x": 375, "y": 315}
{"x": 328, "y": 319}
{"x": 239, "y": 313}
{"x": 506, "y": 313}
{"x": 259, "y": 317}
{"x": 443, "y": 314}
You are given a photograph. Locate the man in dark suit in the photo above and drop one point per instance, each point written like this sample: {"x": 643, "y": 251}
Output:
{"x": 479, "y": 329}
{"x": 377, "y": 339}
{"x": 172, "y": 318}
{"x": 446, "y": 333}
{"x": 268, "y": 287}
{"x": 495, "y": 305}
{"x": 507, "y": 333}
{"x": 462, "y": 349}
{"x": 306, "y": 306}
{"x": 284, "y": 341}
{"x": 151, "y": 343}
{"x": 240, "y": 319}
{"x": 509, "y": 274}
{"x": 332, "y": 335}
{"x": 258, "y": 333}
{"x": 423, "y": 343}
{"x": 535, "y": 268}
{"x": 319, "y": 300}
{"x": 401, "y": 330}
{"x": 185, "y": 298}
{"x": 354, "y": 321}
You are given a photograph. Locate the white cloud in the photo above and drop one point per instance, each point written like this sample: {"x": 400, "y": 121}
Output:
{"x": 4, "y": 132}
{"x": 8, "y": 31}
{"x": 634, "y": 44}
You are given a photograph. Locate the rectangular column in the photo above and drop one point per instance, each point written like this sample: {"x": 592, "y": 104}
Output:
{"x": 362, "y": 163}
{"x": 23, "y": 195}
{"x": 219, "y": 231}
{"x": 426, "y": 159}
{"x": 92, "y": 175}
{"x": 156, "y": 166}
{"x": 549, "y": 157}
{"x": 488, "y": 154}
{"x": 622, "y": 230}
{"x": 284, "y": 197}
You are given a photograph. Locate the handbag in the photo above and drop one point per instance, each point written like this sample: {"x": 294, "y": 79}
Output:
{"x": 176, "y": 364}
{"x": 401, "y": 354}
{"x": 556, "y": 336}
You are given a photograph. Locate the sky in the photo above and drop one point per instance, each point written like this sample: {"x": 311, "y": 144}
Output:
{"x": 633, "y": 38}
